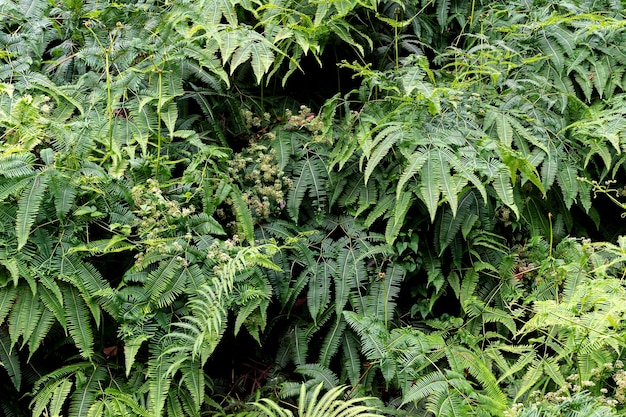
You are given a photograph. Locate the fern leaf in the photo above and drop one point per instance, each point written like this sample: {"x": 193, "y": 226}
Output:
{"x": 503, "y": 128}
{"x": 372, "y": 334}
{"x": 448, "y": 404}
{"x": 48, "y": 394}
{"x": 383, "y": 141}
{"x": 426, "y": 386}
{"x": 64, "y": 194}
{"x": 83, "y": 275}
{"x": 24, "y": 316}
{"x": 429, "y": 188}
{"x": 553, "y": 50}
{"x": 351, "y": 359}
{"x": 415, "y": 163}
{"x": 449, "y": 186}
{"x": 192, "y": 376}
{"x": 504, "y": 189}
{"x": 319, "y": 373}
{"x": 158, "y": 384}
{"x": 28, "y": 207}
{"x": 257, "y": 50}
{"x": 17, "y": 165}
{"x": 549, "y": 167}
{"x": 332, "y": 340}
{"x": 310, "y": 176}
{"x": 55, "y": 91}
{"x": 10, "y": 361}
{"x": 530, "y": 378}
{"x": 78, "y": 322}
{"x": 40, "y": 331}
{"x": 59, "y": 396}
{"x": 300, "y": 345}
{"x": 318, "y": 295}
{"x": 461, "y": 358}
{"x": 551, "y": 368}
{"x": 131, "y": 348}
{"x": 166, "y": 282}
{"x": 350, "y": 273}
{"x": 567, "y": 178}
{"x": 443, "y": 9}
{"x": 214, "y": 10}
{"x": 383, "y": 205}
{"x": 7, "y": 298}
{"x": 87, "y": 390}
{"x": 449, "y": 225}
{"x": 395, "y": 223}
{"x": 13, "y": 187}
{"x": 245, "y": 224}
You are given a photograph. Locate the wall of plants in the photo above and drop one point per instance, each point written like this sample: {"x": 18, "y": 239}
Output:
{"x": 314, "y": 208}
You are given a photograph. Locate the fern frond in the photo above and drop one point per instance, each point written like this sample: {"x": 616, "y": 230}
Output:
{"x": 243, "y": 215}
{"x": 350, "y": 274}
{"x": 376, "y": 149}
{"x": 449, "y": 225}
{"x": 530, "y": 378}
{"x": 504, "y": 189}
{"x": 320, "y": 374}
{"x": 192, "y": 376}
{"x": 350, "y": 357}
{"x": 426, "y": 386}
{"x": 9, "y": 360}
{"x": 24, "y": 316}
{"x": 461, "y": 359}
{"x": 430, "y": 189}
{"x": 85, "y": 394}
{"x": 318, "y": 295}
{"x": 55, "y": 392}
{"x": 449, "y": 404}
{"x": 166, "y": 282}
{"x": 332, "y": 340}
{"x": 310, "y": 176}
{"x": 41, "y": 330}
{"x": 17, "y": 165}
{"x": 396, "y": 221}
{"x": 78, "y": 322}
{"x": 28, "y": 207}
{"x": 159, "y": 381}
{"x": 8, "y": 296}
{"x": 64, "y": 194}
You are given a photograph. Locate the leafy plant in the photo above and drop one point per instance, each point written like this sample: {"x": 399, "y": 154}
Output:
{"x": 329, "y": 405}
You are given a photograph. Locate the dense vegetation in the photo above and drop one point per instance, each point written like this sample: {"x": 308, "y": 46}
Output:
{"x": 329, "y": 208}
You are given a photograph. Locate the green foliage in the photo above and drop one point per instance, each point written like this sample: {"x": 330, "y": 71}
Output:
{"x": 163, "y": 194}
{"x": 329, "y": 405}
